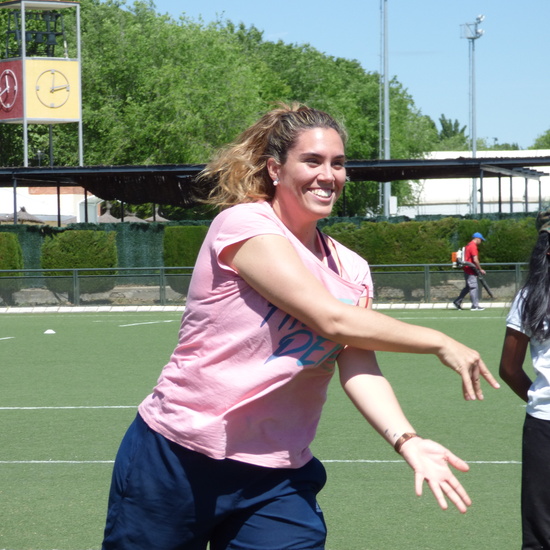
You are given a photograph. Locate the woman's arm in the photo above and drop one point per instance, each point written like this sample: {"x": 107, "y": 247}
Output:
{"x": 373, "y": 396}
{"x": 511, "y": 362}
{"x": 270, "y": 265}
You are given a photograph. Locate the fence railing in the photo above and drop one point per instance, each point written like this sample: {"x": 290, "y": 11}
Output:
{"x": 431, "y": 283}
{"x": 396, "y": 283}
{"x": 109, "y": 286}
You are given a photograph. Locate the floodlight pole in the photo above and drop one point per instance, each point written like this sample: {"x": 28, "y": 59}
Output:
{"x": 472, "y": 32}
{"x": 386, "y": 185}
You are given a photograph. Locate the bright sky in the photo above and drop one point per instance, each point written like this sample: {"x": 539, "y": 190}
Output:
{"x": 427, "y": 53}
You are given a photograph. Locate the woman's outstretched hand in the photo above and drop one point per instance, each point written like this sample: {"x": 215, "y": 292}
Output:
{"x": 431, "y": 463}
{"x": 469, "y": 365}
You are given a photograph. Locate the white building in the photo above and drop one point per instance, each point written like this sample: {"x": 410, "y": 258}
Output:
{"x": 42, "y": 202}
{"x": 454, "y": 196}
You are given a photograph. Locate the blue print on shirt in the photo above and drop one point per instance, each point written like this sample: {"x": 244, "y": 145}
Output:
{"x": 302, "y": 342}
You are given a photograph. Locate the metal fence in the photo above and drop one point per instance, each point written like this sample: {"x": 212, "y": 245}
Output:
{"x": 432, "y": 283}
{"x": 399, "y": 283}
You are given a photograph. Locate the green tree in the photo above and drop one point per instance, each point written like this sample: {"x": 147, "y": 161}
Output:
{"x": 542, "y": 141}
{"x": 452, "y": 136}
{"x": 160, "y": 91}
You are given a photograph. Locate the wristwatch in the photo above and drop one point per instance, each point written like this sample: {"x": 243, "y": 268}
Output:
{"x": 8, "y": 89}
{"x": 52, "y": 88}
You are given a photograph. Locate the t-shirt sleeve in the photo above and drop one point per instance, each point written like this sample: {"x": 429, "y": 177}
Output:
{"x": 513, "y": 320}
{"x": 240, "y": 223}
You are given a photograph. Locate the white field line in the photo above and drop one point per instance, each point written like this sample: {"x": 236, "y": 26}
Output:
{"x": 328, "y": 461}
{"x": 149, "y": 323}
{"x": 64, "y": 408}
{"x": 337, "y": 461}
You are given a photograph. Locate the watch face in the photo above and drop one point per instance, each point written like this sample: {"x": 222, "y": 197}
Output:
{"x": 8, "y": 89}
{"x": 52, "y": 88}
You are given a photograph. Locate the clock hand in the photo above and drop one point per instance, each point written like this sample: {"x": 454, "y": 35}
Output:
{"x": 7, "y": 88}
{"x": 57, "y": 88}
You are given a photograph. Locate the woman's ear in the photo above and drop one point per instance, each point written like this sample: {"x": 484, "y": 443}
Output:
{"x": 273, "y": 168}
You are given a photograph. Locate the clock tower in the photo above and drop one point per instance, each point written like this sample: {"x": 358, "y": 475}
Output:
{"x": 40, "y": 80}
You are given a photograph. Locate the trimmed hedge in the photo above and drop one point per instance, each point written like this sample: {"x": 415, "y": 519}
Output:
{"x": 181, "y": 248}
{"x": 78, "y": 249}
{"x": 11, "y": 257}
{"x": 509, "y": 240}
{"x": 432, "y": 242}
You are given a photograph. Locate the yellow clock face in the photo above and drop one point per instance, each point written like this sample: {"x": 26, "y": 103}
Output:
{"x": 52, "y": 88}
{"x": 8, "y": 89}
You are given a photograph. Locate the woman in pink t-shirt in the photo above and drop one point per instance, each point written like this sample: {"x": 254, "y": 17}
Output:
{"x": 219, "y": 452}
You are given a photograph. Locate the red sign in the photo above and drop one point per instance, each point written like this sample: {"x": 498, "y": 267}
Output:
{"x": 11, "y": 90}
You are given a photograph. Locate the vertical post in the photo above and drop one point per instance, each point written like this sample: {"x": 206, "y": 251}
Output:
{"x": 78, "y": 56}
{"x": 472, "y": 32}
{"x": 387, "y": 155}
{"x": 76, "y": 288}
{"x": 15, "y": 201}
{"x": 24, "y": 75}
{"x": 427, "y": 284}
{"x": 50, "y": 138}
{"x": 473, "y": 128}
{"x": 481, "y": 191}
{"x": 58, "y": 206}
{"x": 162, "y": 287}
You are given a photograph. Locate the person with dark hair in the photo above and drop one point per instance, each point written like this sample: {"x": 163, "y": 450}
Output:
{"x": 528, "y": 323}
{"x": 472, "y": 269}
{"x": 219, "y": 453}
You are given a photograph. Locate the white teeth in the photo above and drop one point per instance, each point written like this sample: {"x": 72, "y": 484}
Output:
{"x": 326, "y": 193}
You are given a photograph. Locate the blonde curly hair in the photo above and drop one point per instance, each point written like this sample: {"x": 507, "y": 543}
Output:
{"x": 239, "y": 170}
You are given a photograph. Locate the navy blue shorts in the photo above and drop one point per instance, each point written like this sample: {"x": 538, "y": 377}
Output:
{"x": 164, "y": 496}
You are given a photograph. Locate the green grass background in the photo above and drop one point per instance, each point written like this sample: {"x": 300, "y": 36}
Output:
{"x": 113, "y": 359}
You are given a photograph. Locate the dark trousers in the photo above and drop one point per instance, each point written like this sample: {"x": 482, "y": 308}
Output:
{"x": 535, "y": 484}
{"x": 166, "y": 497}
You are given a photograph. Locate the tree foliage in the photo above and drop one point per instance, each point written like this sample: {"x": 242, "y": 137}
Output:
{"x": 542, "y": 141}
{"x": 161, "y": 91}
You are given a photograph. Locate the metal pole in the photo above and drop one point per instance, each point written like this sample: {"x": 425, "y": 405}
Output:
{"x": 79, "y": 58}
{"x": 387, "y": 156}
{"x": 473, "y": 119}
{"x": 15, "y": 201}
{"x": 472, "y": 32}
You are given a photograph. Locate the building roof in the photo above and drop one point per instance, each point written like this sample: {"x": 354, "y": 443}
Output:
{"x": 175, "y": 185}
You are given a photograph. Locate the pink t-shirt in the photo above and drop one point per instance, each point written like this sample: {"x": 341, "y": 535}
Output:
{"x": 247, "y": 381}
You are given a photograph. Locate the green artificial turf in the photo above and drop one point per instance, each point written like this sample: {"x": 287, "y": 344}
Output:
{"x": 67, "y": 398}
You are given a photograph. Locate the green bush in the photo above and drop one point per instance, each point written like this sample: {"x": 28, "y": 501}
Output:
{"x": 181, "y": 248}
{"x": 75, "y": 249}
{"x": 11, "y": 257}
{"x": 432, "y": 242}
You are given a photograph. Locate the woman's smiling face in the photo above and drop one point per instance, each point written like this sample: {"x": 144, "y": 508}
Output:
{"x": 311, "y": 179}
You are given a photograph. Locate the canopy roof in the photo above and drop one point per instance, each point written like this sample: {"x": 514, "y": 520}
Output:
{"x": 175, "y": 185}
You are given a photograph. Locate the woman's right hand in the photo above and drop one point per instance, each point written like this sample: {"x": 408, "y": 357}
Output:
{"x": 468, "y": 364}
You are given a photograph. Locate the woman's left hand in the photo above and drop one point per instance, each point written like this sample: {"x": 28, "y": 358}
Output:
{"x": 431, "y": 462}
